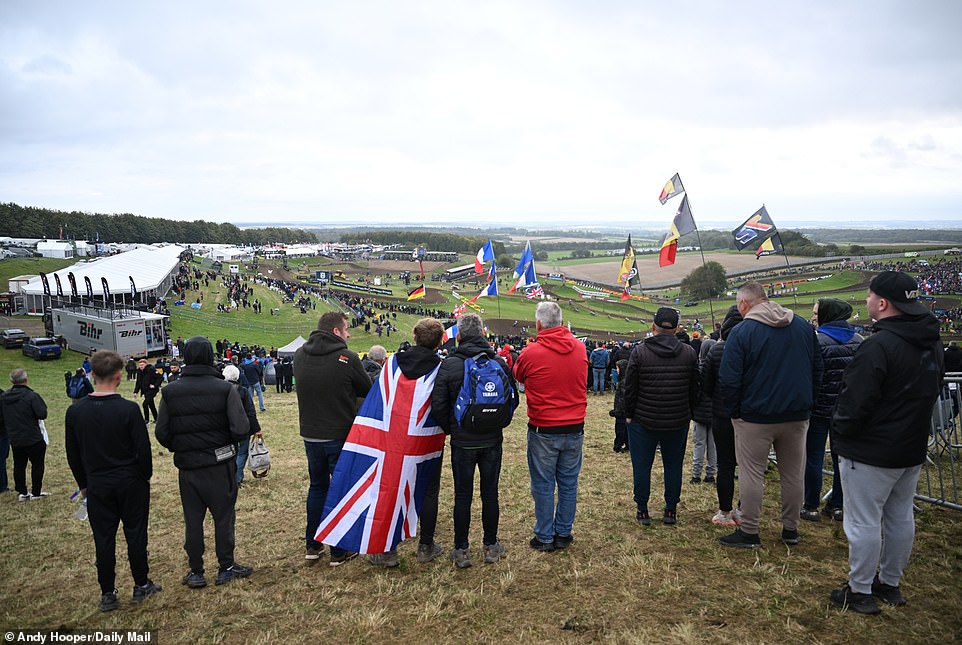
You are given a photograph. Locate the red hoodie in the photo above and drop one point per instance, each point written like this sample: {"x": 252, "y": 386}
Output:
{"x": 554, "y": 370}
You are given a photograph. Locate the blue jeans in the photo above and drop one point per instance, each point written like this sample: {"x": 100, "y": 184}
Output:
{"x": 554, "y": 459}
{"x": 599, "y": 376}
{"x": 243, "y": 448}
{"x": 488, "y": 462}
{"x": 257, "y": 387}
{"x": 4, "y": 453}
{"x": 814, "y": 461}
{"x": 642, "y": 444}
{"x": 321, "y": 459}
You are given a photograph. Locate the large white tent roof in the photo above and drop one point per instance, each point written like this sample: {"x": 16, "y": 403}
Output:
{"x": 148, "y": 265}
{"x": 291, "y": 347}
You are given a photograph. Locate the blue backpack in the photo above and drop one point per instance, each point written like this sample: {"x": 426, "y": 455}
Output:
{"x": 75, "y": 389}
{"x": 486, "y": 401}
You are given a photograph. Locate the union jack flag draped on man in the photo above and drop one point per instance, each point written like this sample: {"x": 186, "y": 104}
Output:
{"x": 387, "y": 462}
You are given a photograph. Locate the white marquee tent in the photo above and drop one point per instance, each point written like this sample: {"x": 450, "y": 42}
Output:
{"x": 291, "y": 347}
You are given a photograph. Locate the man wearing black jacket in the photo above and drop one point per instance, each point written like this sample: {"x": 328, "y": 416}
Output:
{"x": 880, "y": 430}
{"x": 330, "y": 380}
{"x": 471, "y": 449}
{"x": 661, "y": 390}
{"x": 148, "y": 384}
{"x": 21, "y": 410}
{"x": 109, "y": 455}
{"x": 201, "y": 420}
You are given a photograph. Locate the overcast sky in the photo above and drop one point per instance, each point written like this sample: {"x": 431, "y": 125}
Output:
{"x": 526, "y": 112}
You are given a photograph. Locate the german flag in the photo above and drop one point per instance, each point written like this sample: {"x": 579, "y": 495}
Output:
{"x": 417, "y": 292}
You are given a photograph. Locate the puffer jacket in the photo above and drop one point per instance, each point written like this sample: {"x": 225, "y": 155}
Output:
{"x": 330, "y": 380}
{"x": 883, "y": 413}
{"x": 661, "y": 383}
{"x": 837, "y": 341}
{"x": 702, "y": 412}
{"x": 201, "y": 417}
{"x": 21, "y": 410}
{"x": 447, "y": 385}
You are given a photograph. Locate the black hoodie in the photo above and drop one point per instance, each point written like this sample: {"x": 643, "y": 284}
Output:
{"x": 661, "y": 383}
{"x": 21, "y": 410}
{"x": 884, "y": 410}
{"x": 330, "y": 380}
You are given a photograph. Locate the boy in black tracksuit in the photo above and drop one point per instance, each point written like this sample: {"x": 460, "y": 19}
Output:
{"x": 109, "y": 454}
{"x": 148, "y": 384}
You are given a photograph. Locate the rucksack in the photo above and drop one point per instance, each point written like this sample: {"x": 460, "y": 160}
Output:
{"x": 486, "y": 400}
{"x": 75, "y": 389}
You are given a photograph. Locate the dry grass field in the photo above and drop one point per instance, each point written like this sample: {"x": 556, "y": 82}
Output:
{"x": 618, "y": 583}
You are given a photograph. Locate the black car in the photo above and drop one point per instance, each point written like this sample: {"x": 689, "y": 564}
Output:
{"x": 13, "y": 338}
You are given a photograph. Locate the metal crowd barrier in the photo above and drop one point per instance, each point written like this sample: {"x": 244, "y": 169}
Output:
{"x": 941, "y": 474}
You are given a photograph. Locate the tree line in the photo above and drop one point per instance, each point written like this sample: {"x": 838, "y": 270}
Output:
{"x": 32, "y": 222}
{"x": 430, "y": 241}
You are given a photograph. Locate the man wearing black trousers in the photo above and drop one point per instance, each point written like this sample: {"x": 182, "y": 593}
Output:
{"x": 201, "y": 421}
{"x": 148, "y": 384}
{"x": 109, "y": 454}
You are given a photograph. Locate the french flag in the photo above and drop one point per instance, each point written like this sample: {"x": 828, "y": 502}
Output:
{"x": 450, "y": 333}
{"x": 486, "y": 254}
{"x": 490, "y": 290}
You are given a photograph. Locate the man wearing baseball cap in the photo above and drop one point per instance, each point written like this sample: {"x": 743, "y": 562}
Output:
{"x": 661, "y": 389}
{"x": 880, "y": 429}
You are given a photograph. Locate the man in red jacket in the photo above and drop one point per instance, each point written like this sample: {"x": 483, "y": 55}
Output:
{"x": 554, "y": 370}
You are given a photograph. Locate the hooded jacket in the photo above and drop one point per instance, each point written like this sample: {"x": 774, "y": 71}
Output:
{"x": 837, "y": 341}
{"x": 661, "y": 383}
{"x": 330, "y": 380}
{"x": 883, "y": 413}
{"x": 448, "y": 384}
{"x": 711, "y": 366}
{"x": 771, "y": 367}
{"x": 701, "y": 413}
{"x": 201, "y": 417}
{"x": 21, "y": 410}
{"x": 554, "y": 370}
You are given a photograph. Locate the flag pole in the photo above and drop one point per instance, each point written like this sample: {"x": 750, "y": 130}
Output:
{"x": 704, "y": 264}
{"x": 785, "y": 254}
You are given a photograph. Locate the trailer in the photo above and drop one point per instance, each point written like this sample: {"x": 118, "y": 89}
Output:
{"x": 128, "y": 332}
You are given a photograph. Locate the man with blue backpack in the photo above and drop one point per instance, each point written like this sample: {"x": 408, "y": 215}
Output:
{"x": 474, "y": 399}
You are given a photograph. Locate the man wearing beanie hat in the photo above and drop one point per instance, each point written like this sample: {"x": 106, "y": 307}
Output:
{"x": 880, "y": 429}
{"x": 201, "y": 419}
{"x": 661, "y": 390}
{"x": 768, "y": 377}
{"x": 837, "y": 341}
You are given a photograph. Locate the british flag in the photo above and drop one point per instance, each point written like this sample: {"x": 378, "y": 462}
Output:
{"x": 390, "y": 456}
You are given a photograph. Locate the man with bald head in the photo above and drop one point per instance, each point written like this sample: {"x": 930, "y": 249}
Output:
{"x": 768, "y": 377}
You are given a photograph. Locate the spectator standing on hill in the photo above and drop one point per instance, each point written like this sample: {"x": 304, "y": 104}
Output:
{"x": 21, "y": 412}
{"x": 374, "y": 361}
{"x": 553, "y": 367}
{"x": 148, "y": 385}
{"x": 880, "y": 428}
{"x": 232, "y": 375}
{"x": 201, "y": 420}
{"x": 721, "y": 424}
{"x": 618, "y": 411}
{"x": 599, "y": 365}
{"x": 837, "y": 341}
{"x": 703, "y": 452}
{"x": 254, "y": 373}
{"x": 108, "y": 451}
{"x": 769, "y": 373}
{"x": 330, "y": 380}
{"x": 78, "y": 384}
{"x": 661, "y": 389}
{"x": 473, "y": 447}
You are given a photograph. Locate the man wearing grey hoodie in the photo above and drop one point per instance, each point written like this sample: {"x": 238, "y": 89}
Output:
{"x": 768, "y": 377}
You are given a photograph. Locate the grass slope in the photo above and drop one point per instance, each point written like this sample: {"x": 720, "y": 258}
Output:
{"x": 618, "y": 583}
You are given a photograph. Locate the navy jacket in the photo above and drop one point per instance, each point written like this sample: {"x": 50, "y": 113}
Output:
{"x": 771, "y": 367}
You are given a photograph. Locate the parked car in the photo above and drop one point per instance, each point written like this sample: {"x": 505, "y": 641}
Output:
{"x": 13, "y": 338}
{"x": 691, "y": 303}
{"x": 41, "y": 348}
